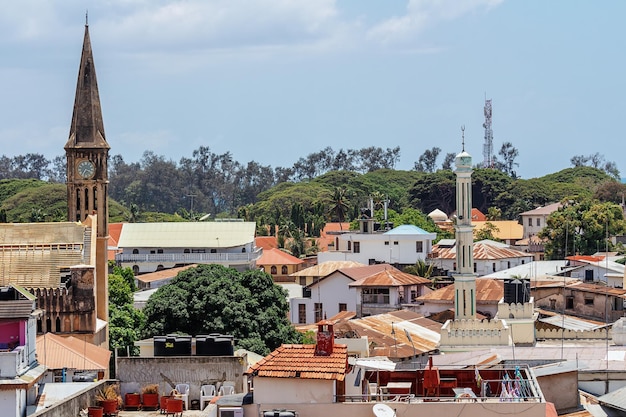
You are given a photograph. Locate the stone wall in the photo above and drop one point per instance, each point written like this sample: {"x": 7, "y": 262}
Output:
{"x": 598, "y": 334}
{"x": 134, "y": 373}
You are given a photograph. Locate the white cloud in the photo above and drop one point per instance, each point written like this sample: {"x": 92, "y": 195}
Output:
{"x": 422, "y": 14}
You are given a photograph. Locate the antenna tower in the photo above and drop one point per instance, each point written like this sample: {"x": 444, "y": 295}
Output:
{"x": 488, "y": 146}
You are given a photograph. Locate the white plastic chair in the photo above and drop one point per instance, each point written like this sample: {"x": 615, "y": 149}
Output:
{"x": 207, "y": 392}
{"x": 227, "y": 390}
{"x": 183, "y": 392}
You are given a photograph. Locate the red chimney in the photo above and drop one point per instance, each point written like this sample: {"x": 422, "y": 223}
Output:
{"x": 325, "y": 338}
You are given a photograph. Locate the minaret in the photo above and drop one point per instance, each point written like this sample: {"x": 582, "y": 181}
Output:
{"x": 464, "y": 277}
{"x": 87, "y": 153}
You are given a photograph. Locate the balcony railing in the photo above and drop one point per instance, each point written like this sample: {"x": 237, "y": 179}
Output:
{"x": 190, "y": 258}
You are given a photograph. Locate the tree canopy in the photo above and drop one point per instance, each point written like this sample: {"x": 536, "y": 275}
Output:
{"x": 214, "y": 299}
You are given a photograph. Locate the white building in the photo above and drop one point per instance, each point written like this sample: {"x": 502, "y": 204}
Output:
{"x": 400, "y": 246}
{"x": 535, "y": 220}
{"x": 149, "y": 247}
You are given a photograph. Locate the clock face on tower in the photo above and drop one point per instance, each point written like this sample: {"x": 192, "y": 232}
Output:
{"x": 86, "y": 169}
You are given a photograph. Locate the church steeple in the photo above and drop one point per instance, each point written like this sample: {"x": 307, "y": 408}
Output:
{"x": 87, "y": 128}
{"x": 87, "y": 153}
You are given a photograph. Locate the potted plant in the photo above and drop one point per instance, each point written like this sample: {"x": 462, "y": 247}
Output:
{"x": 109, "y": 398}
{"x": 132, "y": 400}
{"x": 150, "y": 394}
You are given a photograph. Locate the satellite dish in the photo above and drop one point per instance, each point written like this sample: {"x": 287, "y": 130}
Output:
{"x": 383, "y": 410}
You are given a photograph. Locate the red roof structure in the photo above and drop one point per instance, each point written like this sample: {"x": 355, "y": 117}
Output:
{"x": 266, "y": 242}
{"x": 274, "y": 256}
{"x": 300, "y": 361}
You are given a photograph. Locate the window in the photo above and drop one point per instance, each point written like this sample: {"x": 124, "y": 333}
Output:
{"x": 135, "y": 251}
{"x": 343, "y": 307}
{"x": 349, "y": 245}
{"x": 386, "y": 243}
{"x": 303, "y": 281}
{"x": 589, "y": 275}
{"x": 159, "y": 250}
{"x": 538, "y": 221}
{"x": 375, "y": 295}
{"x": 301, "y": 313}
{"x": 152, "y": 252}
{"x": 493, "y": 268}
{"x": 318, "y": 312}
{"x": 569, "y": 302}
{"x": 273, "y": 270}
{"x": 588, "y": 301}
{"x": 475, "y": 267}
{"x": 419, "y": 247}
{"x": 395, "y": 243}
{"x": 530, "y": 221}
{"x": 213, "y": 250}
{"x": 283, "y": 270}
{"x": 357, "y": 247}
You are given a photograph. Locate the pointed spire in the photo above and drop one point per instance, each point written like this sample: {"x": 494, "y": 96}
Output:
{"x": 463, "y": 137}
{"x": 87, "y": 130}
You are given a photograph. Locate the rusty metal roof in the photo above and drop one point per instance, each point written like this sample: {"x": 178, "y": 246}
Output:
{"x": 424, "y": 333}
{"x": 300, "y": 361}
{"x": 481, "y": 250}
{"x": 488, "y": 291}
{"x": 163, "y": 274}
{"x": 390, "y": 278}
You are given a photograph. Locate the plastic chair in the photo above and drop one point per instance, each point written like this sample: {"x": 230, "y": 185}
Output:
{"x": 226, "y": 390}
{"x": 183, "y": 393}
{"x": 207, "y": 393}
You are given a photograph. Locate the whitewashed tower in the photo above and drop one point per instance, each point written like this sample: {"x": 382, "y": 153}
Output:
{"x": 464, "y": 277}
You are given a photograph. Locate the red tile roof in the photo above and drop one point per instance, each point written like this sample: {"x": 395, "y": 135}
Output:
{"x": 478, "y": 215}
{"x": 115, "y": 229}
{"x": 325, "y": 238}
{"x": 266, "y": 242}
{"x": 275, "y": 256}
{"x": 299, "y": 361}
{"x": 586, "y": 258}
{"x": 390, "y": 278}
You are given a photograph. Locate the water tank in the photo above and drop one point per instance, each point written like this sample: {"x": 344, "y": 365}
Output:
{"x": 224, "y": 346}
{"x": 204, "y": 345}
{"x": 619, "y": 332}
{"x": 516, "y": 291}
{"x": 182, "y": 346}
{"x": 159, "y": 345}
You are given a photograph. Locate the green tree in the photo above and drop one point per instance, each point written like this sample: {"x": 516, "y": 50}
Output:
{"x": 124, "y": 319}
{"x": 582, "y": 226}
{"x": 421, "y": 269}
{"x": 487, "y": 232}
{"x": 339, "y": 205}
{"x": 215, "y": 299}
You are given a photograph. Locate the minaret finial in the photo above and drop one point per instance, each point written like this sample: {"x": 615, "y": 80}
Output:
{"x": 463, "y": 136}
{"x": 86, "y": 17}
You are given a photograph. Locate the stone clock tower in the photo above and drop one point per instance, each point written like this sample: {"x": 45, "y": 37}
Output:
{"x": 87, "y": 153}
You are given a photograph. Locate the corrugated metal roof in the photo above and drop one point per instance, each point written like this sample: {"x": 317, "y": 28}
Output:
{"x": 56, "y": 352}
{"x": 187, "y": 235}
{"x": 325, "y": 268}
{"x": 539, "y": 211}
{"x": 425, "y": 333}
{"x": 482, "y": 251}
{"x": 488, "y": 291}
{"x": 299, "y": 361}
{"x": 407, "y": 229}
{"x": 570, "y": 322}
{"x": 163, "y": 274}
{"x": 358, "y": 272}
{"x": 615, "y": 399}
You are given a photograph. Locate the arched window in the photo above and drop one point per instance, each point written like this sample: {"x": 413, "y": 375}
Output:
{"x": 135, "y": 270}
{"x": 273, "y": 270}
{"x": 48, "y": 324}
{"x": 186, "y": 251}
{"x": 283, "y": 270}
{"x": 58, "y": 325}
{"x": 135, "y": 251}
{"x": 243, "y": 250}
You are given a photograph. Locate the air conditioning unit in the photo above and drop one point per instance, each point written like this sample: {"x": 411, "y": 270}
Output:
{"x": 231, "y": 412}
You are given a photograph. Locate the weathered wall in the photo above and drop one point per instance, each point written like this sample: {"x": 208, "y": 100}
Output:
{"x": 136, "y": 372}
{"x": 560, "y": 389}
{"x": 71, "y": 406}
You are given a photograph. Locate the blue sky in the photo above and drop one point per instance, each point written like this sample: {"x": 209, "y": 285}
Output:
{"x": 275, "y": 80}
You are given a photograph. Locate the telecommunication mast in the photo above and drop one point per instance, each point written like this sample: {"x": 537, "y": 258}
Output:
{"x": 488, "y": 146}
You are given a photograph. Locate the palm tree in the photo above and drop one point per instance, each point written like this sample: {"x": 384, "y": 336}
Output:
{"x": 421, "y": 269}
{"x": 339, "y": 204}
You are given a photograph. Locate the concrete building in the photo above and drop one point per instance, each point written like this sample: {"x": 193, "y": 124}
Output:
{"x": 149, "y": 247}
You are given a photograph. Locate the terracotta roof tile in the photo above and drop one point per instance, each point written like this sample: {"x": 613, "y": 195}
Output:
{"x": 299, "y": 361}
{"x": 275, "y": 256}
{"x": 266, "y": 242}
{"x": 325, "y": 268}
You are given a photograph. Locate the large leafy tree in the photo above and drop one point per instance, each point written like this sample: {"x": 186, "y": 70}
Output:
{"x": 215, "y": 299}
{"x": 582, "y": 226}
{"x": 124, "y": 319}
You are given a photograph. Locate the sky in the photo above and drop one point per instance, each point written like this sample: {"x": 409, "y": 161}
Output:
{"x": 275, "y": 80}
